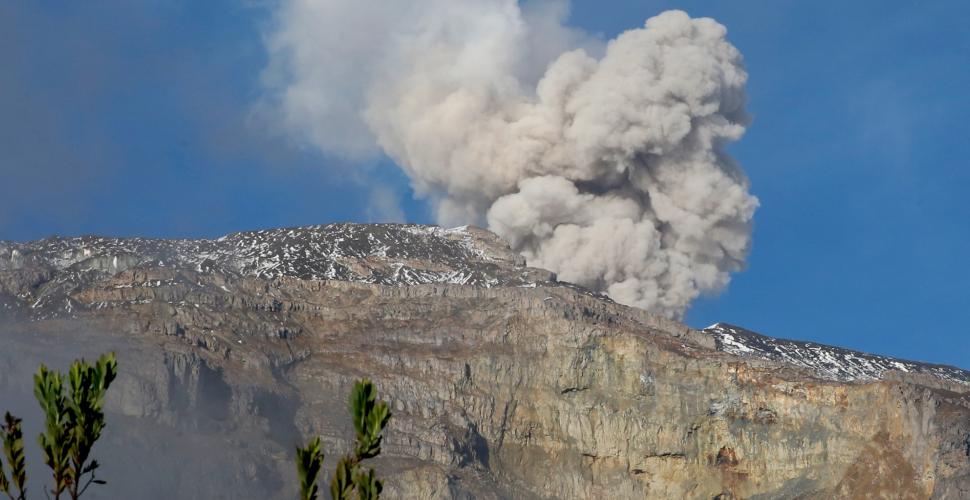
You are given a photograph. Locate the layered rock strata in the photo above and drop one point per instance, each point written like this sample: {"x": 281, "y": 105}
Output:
{"x": 504, "y": 383}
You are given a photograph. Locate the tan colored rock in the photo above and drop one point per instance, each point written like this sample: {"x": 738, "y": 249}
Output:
{"x": 518, "y": 390}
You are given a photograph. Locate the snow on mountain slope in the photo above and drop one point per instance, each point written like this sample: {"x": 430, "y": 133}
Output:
{"x": 389, "y": 254}
{"x": 43, "y": 278}
{"x": 828, "y": 362}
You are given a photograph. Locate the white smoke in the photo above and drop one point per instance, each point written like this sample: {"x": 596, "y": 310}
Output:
{"x": 603, "y": 164}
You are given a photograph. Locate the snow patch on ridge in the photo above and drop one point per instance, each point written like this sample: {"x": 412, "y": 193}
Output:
{"x": 387, "y": 254}
{"x": 828, "y": 362}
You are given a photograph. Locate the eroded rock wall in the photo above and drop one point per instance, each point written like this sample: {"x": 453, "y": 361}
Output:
{"x": 512, "y": 386}
{"x": 516, "y": 392}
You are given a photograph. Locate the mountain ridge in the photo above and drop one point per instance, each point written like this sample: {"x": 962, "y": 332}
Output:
{"x": 504, "y": 382}
{"x": 467, "y": 255}
{"x": 854, "y": 365}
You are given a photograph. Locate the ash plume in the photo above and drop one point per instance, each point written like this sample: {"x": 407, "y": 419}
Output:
{"x": 604, "y": 162}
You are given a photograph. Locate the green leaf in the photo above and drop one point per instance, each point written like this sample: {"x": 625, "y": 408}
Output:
{"x": 342, "y": 484}
{"x": 91, "y": 467}
{"x": 55, "y": 440}
{"x": 368, "y": 486}
{"x": 309, "y": 460}
{"x": 13, "y": 449}
{"x": 369, "y": 416}
{"x": 73, "y": 423}
{"x": 4, "y": 484}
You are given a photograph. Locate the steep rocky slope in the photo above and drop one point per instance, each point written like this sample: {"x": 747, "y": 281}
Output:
{"x": 504, "y": 383}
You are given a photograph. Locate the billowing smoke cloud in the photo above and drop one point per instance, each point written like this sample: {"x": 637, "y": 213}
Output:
{"x": 602, "y": 162}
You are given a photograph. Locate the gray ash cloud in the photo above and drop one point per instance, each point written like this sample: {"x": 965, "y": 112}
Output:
{"x": 604, "y": 162}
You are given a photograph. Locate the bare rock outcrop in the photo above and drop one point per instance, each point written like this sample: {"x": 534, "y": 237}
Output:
{"x": 504, "y": 383}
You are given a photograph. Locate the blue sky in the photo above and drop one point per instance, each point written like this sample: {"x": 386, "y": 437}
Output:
{"x": 134, "y": 118}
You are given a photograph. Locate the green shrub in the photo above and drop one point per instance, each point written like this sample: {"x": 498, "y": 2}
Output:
{"x": 13, "y": 450}
{"x": 370, "y": 416}
{"x": 72, "y": 424}
{"x": 309, "y": 460}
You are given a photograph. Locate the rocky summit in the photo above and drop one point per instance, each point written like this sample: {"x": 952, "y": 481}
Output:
{"x": 503, "y": 382}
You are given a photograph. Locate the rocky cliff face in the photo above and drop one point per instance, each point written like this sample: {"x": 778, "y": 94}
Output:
{"x": 504, "y": 383}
